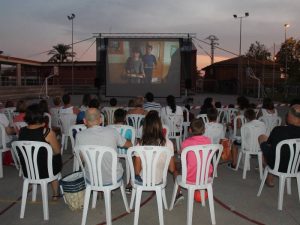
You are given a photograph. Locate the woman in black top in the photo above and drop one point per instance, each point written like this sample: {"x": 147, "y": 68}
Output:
{"x": 36, "y": 131}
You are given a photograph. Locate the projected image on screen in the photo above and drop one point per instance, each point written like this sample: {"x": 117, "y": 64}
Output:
{"x": 142, "y": 65}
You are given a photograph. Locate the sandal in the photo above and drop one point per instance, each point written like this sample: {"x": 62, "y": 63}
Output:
{"x": 56, "y": 197}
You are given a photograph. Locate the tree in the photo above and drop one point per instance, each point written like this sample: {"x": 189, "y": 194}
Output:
{"x": 289, "y": 54}
{"x": 60, "y": 53}
{"x": 258, "y": 51}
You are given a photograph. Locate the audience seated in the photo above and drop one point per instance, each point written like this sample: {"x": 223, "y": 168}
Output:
{"x": 170, "y": 110}
{"x": 85, "y": 102}
{"x": 113, "y": 102}
{"x": 218, "y": 105}
{"x": 20, "y": 110}
{"x": 120, "y": 119}
{"x": 268, "y": 144}
{"x": 67, "y": 107}
{"x": 207, "y": 104}
{"x": 94, "y": 103}
{"x": 243, "y": 104}
{"x": 267, "y": 108}
{"x": 150, "y": 104}
{"x": 9, "y": 104}
{"x": 251, "y": 118}
{"x": 213, "y": 129}
{"x": 138, "y": 107}
{"x": 36, "y": 131}
{"x": 54, "y": 112}
{"x": 102, "y": 136}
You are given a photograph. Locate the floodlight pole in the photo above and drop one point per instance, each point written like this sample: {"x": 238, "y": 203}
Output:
{"x": 285, "y": 30}
{"x": 71, "y": 17}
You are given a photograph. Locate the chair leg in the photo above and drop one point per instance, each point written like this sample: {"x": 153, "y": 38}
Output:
{"x": 86, "y": 204}
{"x": 45, "y": 200}
{"x": 211, "y": 204}
{"x": 298, "y": 184}
{"x": 190, "y": 206}
{"x": 216, "y": 166}
{"x": 262, "y": 182}
{"x": 66, "y": 142}
{"x": 164, "y": 198}
{"x": 63, "y": 137}
{"x": 137, "y": 206}
{"x": 127, "y": 171}
{"x": 107, "y": 198}
{"x": 133, "y": 194}
{"x": 289, "y": 185}
{"x": 259, "y": 156}
{"x": 34, "y": 190}
{"x": 239, "y": 160}
{"x": 281, "y": 192}
{"x": 24, "y": 197}
{"x": 160, "y": 206}
{"x": 202, "y": 193}
{"x": 246, "y": 163}
{"x": 174, "y": 195}
{"x": 124, "y": 198}
{"x": 1, "y": 165}
{"x": 94, "y": 201}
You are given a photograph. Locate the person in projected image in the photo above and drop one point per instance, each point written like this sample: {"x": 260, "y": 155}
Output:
{"x": 134, "y": 67}
{"x": 149, "y": 61}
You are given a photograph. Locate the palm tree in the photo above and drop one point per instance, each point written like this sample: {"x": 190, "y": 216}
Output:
{"x": 60, "y": 53}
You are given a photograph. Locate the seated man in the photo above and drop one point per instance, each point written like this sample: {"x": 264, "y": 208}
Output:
{"x": 150, "y": 104}
{"x": 213, "y": 129}
{"x": 102, "y": 136}
{"x": 67, "y": 107}
{"x": 280, "y": 133}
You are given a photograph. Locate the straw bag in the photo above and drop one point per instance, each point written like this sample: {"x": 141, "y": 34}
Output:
{"x": 226, "y": 153}
{"x": 73, "y": 186}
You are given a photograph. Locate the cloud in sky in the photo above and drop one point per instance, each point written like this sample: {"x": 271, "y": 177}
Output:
{"x": 32, "y": 26}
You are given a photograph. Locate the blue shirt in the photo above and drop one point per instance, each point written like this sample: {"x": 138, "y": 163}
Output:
{"x": 149, "y": 61}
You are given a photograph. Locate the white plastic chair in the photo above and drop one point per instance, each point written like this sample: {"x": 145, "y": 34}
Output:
{"x": 203, "y": 117}
{"x": 54, "y": 112}
{"x": 28, "y": 151}
{"x": 175, "y": 124}
{"x": 204, "y": 155}
{"x": 231, "y": 113}
{"x": 136, "y": 121}
{"x": 186, "y": 123}
{"x": 222, "y": 113}
{"x": 151, "y": 157}
{"x": 66, "y": 121}
{"x": 72, "y": 134}
{"x": 9, "y": 113}
{"x": 122, "y": 153}
{"x": 109, "y": 114}
{"x": 92, "y": 155}
{"x": 270, "y": 121}
{"x": 236, "y": 134}
{"x": 293, "y": 147}
{"x": 250, "y": 145}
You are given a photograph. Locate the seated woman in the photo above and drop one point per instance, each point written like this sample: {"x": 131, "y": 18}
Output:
{"x": 138, "y": 107}
{"x": 20, "y": 109}
{"x": 36, "y": 131}
{"x": 267, "y": 108}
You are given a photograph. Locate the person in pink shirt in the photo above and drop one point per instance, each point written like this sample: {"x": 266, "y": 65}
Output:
{"x": 197, "y": 129}
{"x": 20, "y": 111}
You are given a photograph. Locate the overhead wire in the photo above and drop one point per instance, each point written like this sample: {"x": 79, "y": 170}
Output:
{"x": 87, "y": 50}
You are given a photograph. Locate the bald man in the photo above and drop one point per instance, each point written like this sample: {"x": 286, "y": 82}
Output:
{"x": 102, "y": 136}
{"x": 280, "y": 133}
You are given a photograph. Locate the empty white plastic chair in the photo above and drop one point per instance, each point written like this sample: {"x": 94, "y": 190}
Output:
{"x": 126, "y": 131}
{"x": 92, "y": 156}
{"x": 154, "y": 179}
{"x": 66, "y": 121}
{"x": 136, "y": 121}
{"x": 250, "y": 146}
{"x": 270, "y": 121}
{"x": 175, "y": 124}
{"x": 231, "y": 113}
{"x": 204, "y": 155}
{"x": 293, "y": 147}
{"x": 109, "y": 114}
{"x": 203, "y": 117}
{"x": 28, "y": 151}
{"x": 186, "y": 123}
{"x": 72, "y": 134}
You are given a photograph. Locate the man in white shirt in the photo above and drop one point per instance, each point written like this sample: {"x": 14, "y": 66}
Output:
{"x": 8, "y": 130}
{"x": 213, "y": 129}
{"x": 102, "y": 136}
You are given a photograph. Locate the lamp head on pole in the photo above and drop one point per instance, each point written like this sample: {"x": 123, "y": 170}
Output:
{"x": 235, "y": 16}
{"x": 71, "y": 17}
{"x": 286, "y": 25}
{"x": 246, "y": 14}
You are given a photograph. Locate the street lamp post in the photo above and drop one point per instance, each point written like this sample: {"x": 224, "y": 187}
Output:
{"x": 285, "y": 30}
{"x": 240, "y": 86}
{"x": 71, "y": 17}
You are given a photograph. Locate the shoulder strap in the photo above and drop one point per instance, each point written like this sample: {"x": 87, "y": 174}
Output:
{"x": 46, "y": 131}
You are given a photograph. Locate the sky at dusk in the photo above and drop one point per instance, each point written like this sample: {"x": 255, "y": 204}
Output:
{"x": 34, "y": 26}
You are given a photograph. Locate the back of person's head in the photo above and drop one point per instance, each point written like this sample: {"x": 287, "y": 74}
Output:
{"x": 130, "y": 103}
{"x": 94, "y": 103}
{"x": 138, "y": 102}
{"x": 197, "y": 127}
{"x": 250, "y": 114}
{"x": 243, "y": 102}
{"x": 34, "y": 115}
{"x": 21, "y": 106}
{"x": 149, "y": 97}
{"x": 9, "y": 104}
{"x": 86, "y": 99}
{"x": 57, "y": 101}
{"x": 295, "y": 101}
{"x": 44, "y": 106}
{"x": 293, "y": 116}
{"x": 218, "y": 105}
{"x": 212, "y": 114}
{"x": 152, "y": 130}
{"x": 92, "y": 117}
{"x": 66, "y": 98}
{"x": 120, "y": 116}
{"x": 268, "y": 104}
{"x": 171, "y": 103}
{"x": 208, "y": 102}
{"x": 252, "y": 106}
{"x": 231, "y": 106}
{"x": 113, "y": 102}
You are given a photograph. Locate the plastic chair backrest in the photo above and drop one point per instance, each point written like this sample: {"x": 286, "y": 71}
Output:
{"x": 151, "y": 157}
{"x": 294, "y": 152}
{"x": 67, "y": 120}
{"x": 242, "y": 120}
{"x": 222, "y": 112}
{"x": 187, "y": 113}
{"x": 109, "y": 114}
{"x": 73, "y": 132}
{"x": 124, "y": 130}
{"x": 203, "y": 117}
{"x": 9, "y": 113}
{"x": 204, "y": 155}
{"x": 136, "y": 121}
{"x": 3, "y": 139}
{"x": 215, "y": 131}
{"x": 175, "y": 124}
{"x": 270, "y": 121}
{"x": 93, "y": 157}
{"x": 231, "y": 113}
{"x": 54, "y": 117}
{"x": 250, "y": 134}
{"x": 28, "y": 151}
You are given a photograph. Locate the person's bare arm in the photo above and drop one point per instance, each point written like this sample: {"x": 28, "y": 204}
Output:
{"x": 127, "y": 144}
{"x": 10, "y": 130}
{"x": 137, "y": 165}
{"x": 52, "y": 140}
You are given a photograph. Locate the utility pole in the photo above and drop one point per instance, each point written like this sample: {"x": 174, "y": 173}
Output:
{"x": 213, "y": 43}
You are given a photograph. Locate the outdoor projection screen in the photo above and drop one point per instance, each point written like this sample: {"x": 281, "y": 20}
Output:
{"x": 137, "y": 66}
